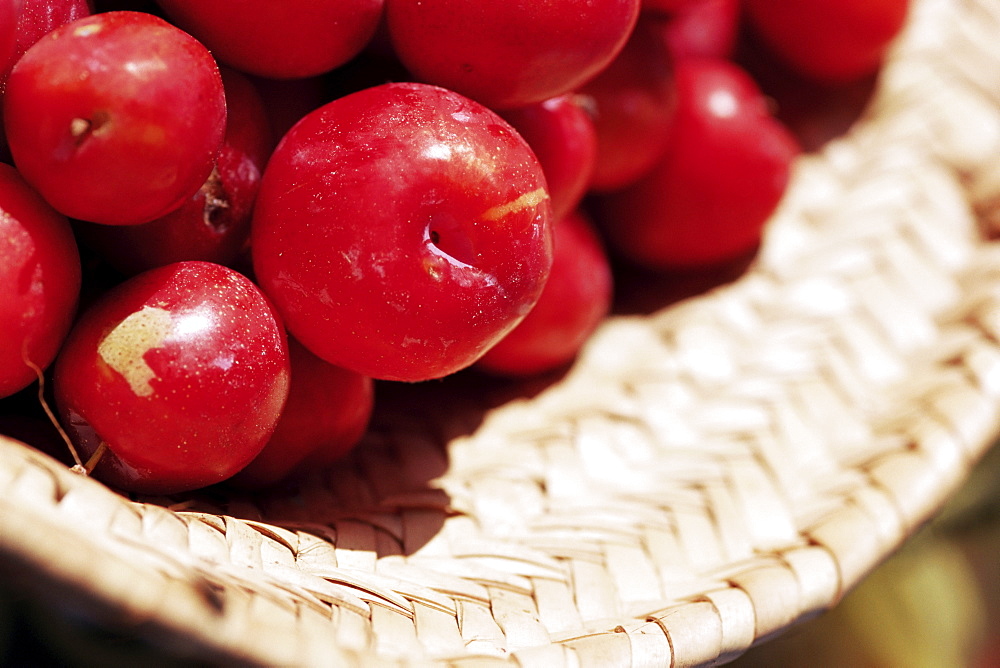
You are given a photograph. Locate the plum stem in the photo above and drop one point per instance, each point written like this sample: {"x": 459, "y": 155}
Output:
{"x": 95, "y": 458}
{"x": 48, "y": 410}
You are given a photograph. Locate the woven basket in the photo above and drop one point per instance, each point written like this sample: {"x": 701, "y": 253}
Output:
{"x": 704, "y": 477}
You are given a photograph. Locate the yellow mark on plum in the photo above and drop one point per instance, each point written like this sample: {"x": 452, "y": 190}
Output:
{"x": 88, "y": 30}
{"x": 124, "y": 346}
{"x": 525, "y": 201}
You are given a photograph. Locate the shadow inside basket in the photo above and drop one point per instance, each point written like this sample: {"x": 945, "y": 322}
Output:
{"x": 382, "y": 498}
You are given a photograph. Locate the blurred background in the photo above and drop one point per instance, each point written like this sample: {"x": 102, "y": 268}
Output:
{"x": 934, "y": 604}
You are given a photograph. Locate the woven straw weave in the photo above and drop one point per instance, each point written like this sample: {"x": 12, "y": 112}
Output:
{"x": 706, "y": 476}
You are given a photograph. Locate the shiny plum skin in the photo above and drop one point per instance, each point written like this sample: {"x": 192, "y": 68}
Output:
{"x": 40, "y": 17}
{"x": 708, "y": 28}
{"x": 726, "y": 167}
{"x": 248, "y": 126}
{"x": 40, "y": 274}
{"x": 830, "y": 41}
{"x": 85, "y": 117}
{"x": 31, "y": 20}
{"x": 211, "y": 225}
{"x": 9, "y": 10}
{"x": 402, "y": 230}
{"x": 508, "y": 53}
{"x": 24, "y": 22}
{"x": 562, "y": 135}
{"x": 214, "y": 224}
{"x": 576, "y": 299}
{"x": 633, "y": 102}
{"x": 291, "y": 39}
{"x": 327, "y": 413}
{"x": 182, "y": 371}
{"x": 668, "y": 6}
